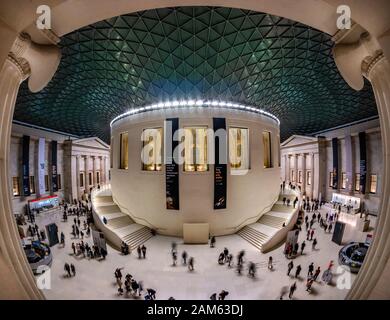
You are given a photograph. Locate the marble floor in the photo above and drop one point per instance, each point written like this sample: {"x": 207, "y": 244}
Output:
{"x": 95, "y": 279}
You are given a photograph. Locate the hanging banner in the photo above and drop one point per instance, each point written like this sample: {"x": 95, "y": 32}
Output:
{"x": 54, "y": 166}
{"x": 220, "y": 167}
{"x": 26, "y": 165}
{"x": 349, "y": 163}
{"x": 363, "y": 162}
{"x": 171, "y": 167}
{"x": 41, "y": 165}
{"x": 335, "y": 149}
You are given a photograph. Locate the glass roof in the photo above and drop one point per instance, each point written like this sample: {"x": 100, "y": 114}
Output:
{"x": 235, "y": 55}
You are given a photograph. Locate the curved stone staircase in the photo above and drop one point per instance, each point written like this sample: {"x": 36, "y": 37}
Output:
{"x": 271, "y": 223}
{"x": 120, "y": 227}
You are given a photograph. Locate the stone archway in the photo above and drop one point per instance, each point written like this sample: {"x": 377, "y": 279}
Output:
{"x": 372, "y": 55}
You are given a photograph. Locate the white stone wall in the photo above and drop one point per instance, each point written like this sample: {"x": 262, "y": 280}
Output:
{"x": 142, "y": 194}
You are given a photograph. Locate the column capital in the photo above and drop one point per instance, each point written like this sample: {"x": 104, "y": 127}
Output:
{"x": 356, "y": 56}
{"x": 40, "y": 62}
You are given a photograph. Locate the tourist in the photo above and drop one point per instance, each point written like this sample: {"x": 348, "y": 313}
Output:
{"x": 222, "y": 295}
{"x": 330, "y": 227}
{"x": 316, "y": 274}
{"x": 308, "y": 234}
{"x": 241, "y": 257}
{"x": 290, "y": 266}
{"x": 230, "y": 260}
{"x": 67, "y": 269}
{"x": 213, "y": 296}
{"x": 73, "y": 269}
{"x": 191, "y": 264}
{"x": 62, "y": 239}
{"x": 73, "y": 248}
{"x": 292, "y": 290}
{"x": 143, "y": 248}
{"x": 314, "y": 243}
{"x": 311, "y": 234}
{"x": 139, "y": 251}
{"x": 212, "y": 242}
{"x": 270, "y": 266}
{"x": 103, "y": 253}
{"x": 311, "y": 269}
{"x": 303, "y": 245}
{"x": 151, "y": 293}
{"x": 252, "y": 269}
{"x": 296, "y": 248}
{"x": 173, "y": 247}
{"x": 174, "y": 258}
{"x": 298, "y": 271}
{"x": 221, "y": 258}
{"x": 225, "y": 253}
{"x": 309, "y": 283}
{"x": 184, "y": 257}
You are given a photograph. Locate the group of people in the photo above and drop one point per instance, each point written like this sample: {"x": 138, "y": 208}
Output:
{"x": 221, "y": 296}
{"x": 132, "y": 287}
{"x": 184, "y": 256}
{"x": 70, "y": 270}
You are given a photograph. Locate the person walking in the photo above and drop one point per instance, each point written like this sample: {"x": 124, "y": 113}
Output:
{"x": 308, "y": 235}
{"x": 67, "y": 269}
{"x": 303, "y": 245}
{"x": 174, "y": 258}
{"x": 314, "y": 243}
{"x": 270, "y": 266}
{"x": 74, "y": 248}
{"x": 330, "y": 227}
{"x": 311, "y": 269}
{"x": 73, "y": 269}
{"x": 311, "y": 234}
{"x": 290, "y": 267}
{"x": 316, "y": 274}
{"x": 298, "y": 271}
{"x": 62, "y": 239}
{"x": 292, "y": 290}
{"x": 143, "y": 248}
{"x": 225, "y": 253}
{"x": 212, "y": 242}
{"x": 139, "y": 251}
{"x": 191, "y": 264}
{"x": 184, "y": 257}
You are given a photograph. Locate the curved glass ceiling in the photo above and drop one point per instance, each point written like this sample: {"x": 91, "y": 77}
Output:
{"x": 246, "y": 57}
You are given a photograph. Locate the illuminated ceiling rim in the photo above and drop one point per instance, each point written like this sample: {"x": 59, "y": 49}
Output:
{"x": 195, "y": 103}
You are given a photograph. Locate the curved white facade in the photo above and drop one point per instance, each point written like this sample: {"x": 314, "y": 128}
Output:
{"x": 142, "y": 194}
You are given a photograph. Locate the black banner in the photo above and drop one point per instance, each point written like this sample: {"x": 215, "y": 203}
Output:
{"x": 171, "y": 167}
{"x": 54, "y": 166}
{"x": 220, "y": 167}
{"x": 363, "y": 162}
{"x": 26, "y": 165}
{"x": 335, "y": 148}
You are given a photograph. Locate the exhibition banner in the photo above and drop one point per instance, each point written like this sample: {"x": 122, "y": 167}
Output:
{"x": 41, "y": 165}
{"x": 220, "y": 167}
{"x": 363, "y": 162}
{"x": 54, "y": 166}
{"x": 171, "y": 167}
{"x": 26, "y": 165}
{"x": 349, "y": 163}
{"x": 335, "y": 148}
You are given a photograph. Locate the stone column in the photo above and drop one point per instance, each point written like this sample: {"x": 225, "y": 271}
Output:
{"x": 303, "y": 168}
{"x": 374, "y": 276}
{"x": 288, "y": 168}
{"x": 312, "y": 176}
{"x": 86, "y": 174}
{"x": 93, "y": 170}
{"x": 19, "y": 282}
{"x": 296, "y": 168}
{"x": 78, "y": 177}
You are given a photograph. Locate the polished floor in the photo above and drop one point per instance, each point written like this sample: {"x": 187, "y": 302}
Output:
{"x": 95, "y": 279}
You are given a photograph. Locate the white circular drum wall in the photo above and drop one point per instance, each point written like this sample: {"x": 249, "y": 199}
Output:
{"x": 141, "y": 194}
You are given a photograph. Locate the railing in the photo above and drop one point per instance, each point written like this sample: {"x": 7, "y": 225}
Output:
{"x": 281, "y": 234}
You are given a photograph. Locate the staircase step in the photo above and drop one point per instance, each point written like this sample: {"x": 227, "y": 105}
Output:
{"x": 136, "y": 234}
{"x": 120, "y": 222}
{"x": 107, "y": 209}
{"x": 254, "y": 237}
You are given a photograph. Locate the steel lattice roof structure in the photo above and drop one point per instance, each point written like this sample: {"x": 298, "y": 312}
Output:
{"x": 276, "y": 64}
